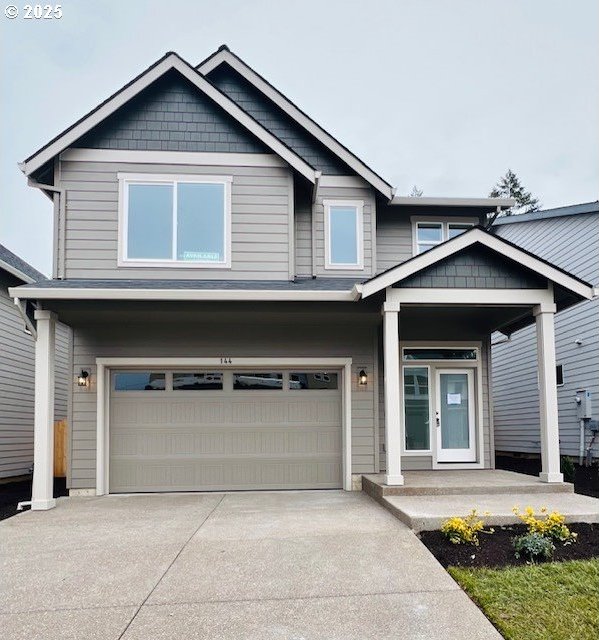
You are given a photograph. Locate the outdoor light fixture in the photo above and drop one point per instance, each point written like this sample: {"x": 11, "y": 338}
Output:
{"x": 362, "y": 378}
{"x": 83, "y": 378}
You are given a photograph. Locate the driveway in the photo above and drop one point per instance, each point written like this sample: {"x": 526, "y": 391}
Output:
{"x": 293, "y": 565}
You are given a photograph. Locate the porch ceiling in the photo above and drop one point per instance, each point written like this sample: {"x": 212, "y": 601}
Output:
{"x": 459, "y": 322}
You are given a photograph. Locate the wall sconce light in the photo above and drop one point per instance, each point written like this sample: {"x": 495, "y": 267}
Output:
{"x": 362, "y": 378}
{"x": 83, "y": 378}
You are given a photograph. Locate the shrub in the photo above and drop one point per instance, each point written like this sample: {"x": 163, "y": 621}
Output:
{"x": 534, "y": 546}
{"x": 464, "y": 530}
{"x": 567, "y": 468}
{"x": 549, "y": 526}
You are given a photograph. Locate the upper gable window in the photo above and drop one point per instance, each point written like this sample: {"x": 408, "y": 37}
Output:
{"x": 428, "y": 234}
{"x": 344, "y": 247}
{"x": 177, "y": 221}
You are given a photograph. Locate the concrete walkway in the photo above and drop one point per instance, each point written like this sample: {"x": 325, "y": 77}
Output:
{"x": 309, "y": 565}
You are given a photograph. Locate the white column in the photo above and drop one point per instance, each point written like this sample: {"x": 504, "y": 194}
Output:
{"x": 550, "y": 459}
{"x": 43, "y": 430}
{"x": 392, "y": 393}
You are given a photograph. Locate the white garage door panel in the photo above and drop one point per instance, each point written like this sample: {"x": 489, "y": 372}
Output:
{"x": 225, "y": 439}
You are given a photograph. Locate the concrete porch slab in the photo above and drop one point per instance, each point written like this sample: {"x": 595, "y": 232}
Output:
{"x": 427, "y": 512}
{"x": 463, "y": 482}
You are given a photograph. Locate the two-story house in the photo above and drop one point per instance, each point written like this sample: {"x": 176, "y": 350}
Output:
{"x": 253, "y": 308}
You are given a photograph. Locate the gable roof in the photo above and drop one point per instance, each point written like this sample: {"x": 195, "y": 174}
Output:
{"x": 11, "y": 263}
{"x": 476, "y": 235}
{"x": 168, "y": 62}
{"x": 544, "y": 214}
{"x": 225, "y": 56}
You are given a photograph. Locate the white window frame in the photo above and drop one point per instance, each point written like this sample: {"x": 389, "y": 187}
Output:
{"x": 445, "y": 223}
{"x": 126, "y": 179}
{"x": 359, "y": 206}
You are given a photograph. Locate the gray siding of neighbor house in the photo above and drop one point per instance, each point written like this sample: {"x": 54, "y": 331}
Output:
{"x": 366, "y": 195}
{"x": 261, "y": 202}
{"x": 571, "y": 242}
{"x": 275, "y": 120}
{"x": 475, "y": 268}
{"x": 417, "y": 463}
{"x": 172, "y": 115}
{"x": 197, "y": 334}
{"x": 17, "y": 366}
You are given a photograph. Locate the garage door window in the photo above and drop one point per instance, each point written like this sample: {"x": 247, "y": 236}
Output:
{"x": 139, "y": 381}
{"x": 190, "y": 381}
{"x": 260, "y": 381}
{"x": 312, "y": 380}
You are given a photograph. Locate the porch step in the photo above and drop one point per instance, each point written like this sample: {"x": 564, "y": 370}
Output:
{"x": 469, "y": 482}
{"x": 427, "y": 512}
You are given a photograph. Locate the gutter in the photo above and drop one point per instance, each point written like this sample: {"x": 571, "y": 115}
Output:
{"x": 62, "y": 228}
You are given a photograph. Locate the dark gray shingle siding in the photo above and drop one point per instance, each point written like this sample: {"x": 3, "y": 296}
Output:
{"x": 277, "y": 121}
{"x": 475, "y": 268}
{"x": 172, "y": 115}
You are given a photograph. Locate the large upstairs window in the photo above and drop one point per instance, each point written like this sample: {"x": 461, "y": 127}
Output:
{"x": 430, "y": 233}
{"x": 177, "y": 221}
{"x": 344, "y": 234}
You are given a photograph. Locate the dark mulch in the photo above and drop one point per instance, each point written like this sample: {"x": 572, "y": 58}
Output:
{"x": 497, "y": 549}
{"x": 11, "y": 493}
{"x": 586, "y": 479}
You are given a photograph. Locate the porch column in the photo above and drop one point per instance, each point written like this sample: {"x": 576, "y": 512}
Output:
{"x": 392, "y": 393}
{"x": 550, "y": 459}
{"x": 43, "y": 426}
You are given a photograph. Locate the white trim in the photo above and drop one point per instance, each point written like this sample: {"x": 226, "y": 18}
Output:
{"x": 16, "y": 272}
{"x": 170, "y": 61}
{"x": 444, "y": 221}
{"x": 491, "y": 203}
{"x": 255, "y": 295}
{"x": 104, "y": 365}
{"x": 127, "y": 179}
{"x": 301, "y": 118}
{"x": 174, "y": 157}
{"x": 358, "y": 205}
{"x": 471, "y": 297}
{"x": 463, "y": 241}
{"x": 457, "y": 455}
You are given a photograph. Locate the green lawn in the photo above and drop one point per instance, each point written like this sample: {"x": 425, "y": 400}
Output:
{"x": 553, "y": 601}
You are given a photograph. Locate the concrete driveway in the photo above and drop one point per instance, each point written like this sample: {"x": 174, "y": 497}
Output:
{"x": 299, "y": 565}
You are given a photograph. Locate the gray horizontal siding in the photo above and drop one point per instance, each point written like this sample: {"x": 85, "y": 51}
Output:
{"x": 346, "y": 336}
{"x": 369, "y": 214}
{"x": 17, "y": 370}
{"x": 572, "y": 243}
{"x": 172, "y": 115}
{"x": 393, "y": 238}
{"x": 260, "y": 233}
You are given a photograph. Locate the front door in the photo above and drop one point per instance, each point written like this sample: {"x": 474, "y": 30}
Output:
{"x": 454, "y": 416}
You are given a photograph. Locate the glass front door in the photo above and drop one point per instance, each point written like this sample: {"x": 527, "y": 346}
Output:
{"x": 454, "y": 416}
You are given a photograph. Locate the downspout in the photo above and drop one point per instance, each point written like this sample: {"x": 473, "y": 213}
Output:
{"x": 60, "y": 192}
{"x": 493, "y": 218}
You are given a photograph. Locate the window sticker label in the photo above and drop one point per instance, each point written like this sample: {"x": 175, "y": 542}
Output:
{"x": 454, "y": 398}
{"x": 203, "y": 256}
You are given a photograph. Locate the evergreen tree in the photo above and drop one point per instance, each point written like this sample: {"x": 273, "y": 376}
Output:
{"x": 509, "y": 186}
{"x": 416, "y": 192}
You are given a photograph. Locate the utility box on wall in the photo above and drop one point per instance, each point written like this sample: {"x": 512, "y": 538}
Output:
{"x": 584, "y": 409}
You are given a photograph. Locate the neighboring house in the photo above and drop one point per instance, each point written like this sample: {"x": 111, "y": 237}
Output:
{"x": 253, "y": 308}
{"x": 568, "y": 237}
{"x": 17, "y": 355}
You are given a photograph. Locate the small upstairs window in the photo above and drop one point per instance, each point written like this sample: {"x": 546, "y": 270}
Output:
{"x": 174, "y": 220}
{"x": 344, "y": 234}
{"x": 429, "y": 234}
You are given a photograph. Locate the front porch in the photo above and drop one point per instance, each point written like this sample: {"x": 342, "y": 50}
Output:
{"x": 430, "y": 497}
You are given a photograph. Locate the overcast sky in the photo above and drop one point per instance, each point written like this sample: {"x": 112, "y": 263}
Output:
{"x": 444, "y": 94}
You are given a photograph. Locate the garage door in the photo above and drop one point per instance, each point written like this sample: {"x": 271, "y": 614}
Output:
{"x": 216, "y": 430}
